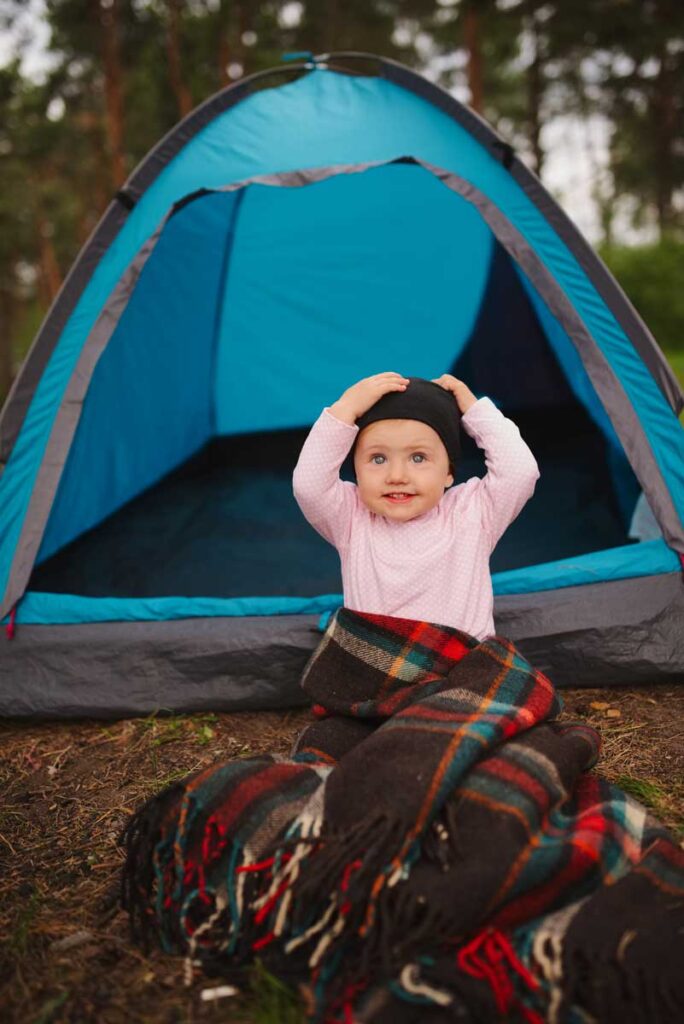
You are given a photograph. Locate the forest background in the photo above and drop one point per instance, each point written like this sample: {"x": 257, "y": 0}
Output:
{"x": 118, "y": 74}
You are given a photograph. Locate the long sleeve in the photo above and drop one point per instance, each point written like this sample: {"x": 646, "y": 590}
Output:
{"x": 328, "y": 503}
{"x": 512, "y": 470}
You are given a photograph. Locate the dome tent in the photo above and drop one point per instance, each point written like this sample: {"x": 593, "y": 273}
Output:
{"x": 285, "y": 239}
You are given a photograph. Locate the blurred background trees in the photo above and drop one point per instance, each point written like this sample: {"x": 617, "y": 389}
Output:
{"x": 119, "y": 73}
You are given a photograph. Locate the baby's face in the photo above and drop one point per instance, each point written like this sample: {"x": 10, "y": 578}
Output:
{"x": 402, "y": 468}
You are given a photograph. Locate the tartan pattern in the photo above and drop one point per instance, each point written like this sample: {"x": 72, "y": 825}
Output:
{"x": 435, "y": 843}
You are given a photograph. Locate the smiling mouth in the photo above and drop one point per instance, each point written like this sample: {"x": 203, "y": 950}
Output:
{"x": 398, "y": 496}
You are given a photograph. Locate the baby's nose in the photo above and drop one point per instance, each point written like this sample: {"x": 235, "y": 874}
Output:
{"x": 396, "y": 473}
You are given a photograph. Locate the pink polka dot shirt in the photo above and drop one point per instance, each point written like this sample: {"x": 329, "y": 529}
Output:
{"x": 434, "y": 567}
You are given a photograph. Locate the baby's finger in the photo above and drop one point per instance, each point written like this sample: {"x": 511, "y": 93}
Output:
{"x": 391, "y": 386}
{"x": 384, "y": 382}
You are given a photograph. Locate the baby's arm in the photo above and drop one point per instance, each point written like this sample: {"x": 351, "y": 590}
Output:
{"x": 327, "y": 502}
{"x": 512, "y": 471}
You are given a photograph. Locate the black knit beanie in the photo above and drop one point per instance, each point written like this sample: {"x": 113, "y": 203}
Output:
{"x": 424, "y": 401}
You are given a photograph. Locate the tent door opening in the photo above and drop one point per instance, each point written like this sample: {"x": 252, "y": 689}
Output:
{"x": 324, "y": 283}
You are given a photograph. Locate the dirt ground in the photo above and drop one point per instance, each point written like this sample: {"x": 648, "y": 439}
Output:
{"x": 68, "y": 788}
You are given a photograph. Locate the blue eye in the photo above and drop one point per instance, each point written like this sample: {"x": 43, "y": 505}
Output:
{"x": 374, "y": 459}
{"x": 418, "y": 455}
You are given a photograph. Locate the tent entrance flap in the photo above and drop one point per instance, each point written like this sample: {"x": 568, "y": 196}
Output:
{"x": 331, "y": 282}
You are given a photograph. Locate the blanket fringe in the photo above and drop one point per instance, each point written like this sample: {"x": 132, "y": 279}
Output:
{"x": 490, "y": 957}
{"x": 411, "y": 982}
{"x": 339, "y": 885}
{"x": 139, "y": 877}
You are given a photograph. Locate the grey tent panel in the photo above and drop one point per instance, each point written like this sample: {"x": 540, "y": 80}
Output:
{"x": 116, "y": 669}
{"x": 621, "y": 632}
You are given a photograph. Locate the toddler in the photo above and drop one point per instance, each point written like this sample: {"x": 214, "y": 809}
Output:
{"x": 410, "y": 544}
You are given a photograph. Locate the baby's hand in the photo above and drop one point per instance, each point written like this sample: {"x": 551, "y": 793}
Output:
{"x": 361, "y": 396}
{"x": 461, "y": 392}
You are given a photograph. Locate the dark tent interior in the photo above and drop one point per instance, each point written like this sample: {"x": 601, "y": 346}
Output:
{"x": 225, "y": 522}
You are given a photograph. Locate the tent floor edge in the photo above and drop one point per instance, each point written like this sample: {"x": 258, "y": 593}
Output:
{"x": 624, "y": 632}
{"x": 112, "y": 670}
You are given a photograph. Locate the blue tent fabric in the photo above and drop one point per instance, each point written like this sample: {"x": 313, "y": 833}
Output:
{"x": 340, "y": 119}
{"x": 629, "y": 562}
{"x": 142, "y": 387}
{"x": 321, "y": 267}
{"x": 263, "y": 268}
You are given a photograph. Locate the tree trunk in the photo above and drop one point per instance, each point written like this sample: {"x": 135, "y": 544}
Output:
{"x": 173, "y": 50}
{"x": 665, "y": 130}
{"x": 6, "y": 347}
{"x": 49, "y": 274}
{"x": 231, "y": 50}
{"x": 99, "y": 193}
{"x": 472, "y": 39}
{"x": 333, "y": 28}
{"x": 111, "y": 58}
{"x": 602, "y": 182}
{"x": 49, "y": 268}
{"x": 223, "y": 58}
{"x": 534, "y": 94}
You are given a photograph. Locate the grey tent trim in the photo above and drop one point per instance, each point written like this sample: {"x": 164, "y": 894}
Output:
{"x": 579, "y": 636}
{"x": 13, "y": 414}
{"x": 609, "y": 389}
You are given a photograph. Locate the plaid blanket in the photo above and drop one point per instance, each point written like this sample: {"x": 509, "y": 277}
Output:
{"x": 434, "y": 850}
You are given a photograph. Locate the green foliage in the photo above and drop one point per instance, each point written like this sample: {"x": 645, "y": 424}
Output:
{"x": 649, "y": 793}
{"x": 497, "y": 34}
{"x": 272, "y": 1001}
{"x": 652, "y": 276}
{"x": 30, "y": 315}
{"x": 163, "y": 729}
{"x": 50, "y": 1008}
{"x": 20, "y": 937}
{"x": 635, "y": 49}
{"x": 676, "y": 361}
{"x": 535, "y": 59}
{"x": 654, "y": 796}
